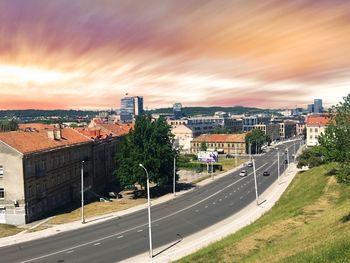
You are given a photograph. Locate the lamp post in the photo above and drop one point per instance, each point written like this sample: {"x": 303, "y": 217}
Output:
{"x": 256, "y": 185}
{"x": 174, "y": 180}
{"x": 82, "y": 193}
{"x": 278, "y": 165}
{"x": 174, "y": 189}
{"x": 149, "y": 214}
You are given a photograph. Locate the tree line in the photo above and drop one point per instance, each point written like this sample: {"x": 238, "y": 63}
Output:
{"x": 8, "y": 125}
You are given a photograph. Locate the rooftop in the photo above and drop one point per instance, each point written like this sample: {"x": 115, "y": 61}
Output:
{"x": 38, "y": 140}
{"x": 317, "y": 120}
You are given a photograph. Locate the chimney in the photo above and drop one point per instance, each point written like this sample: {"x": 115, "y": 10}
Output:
{"x": 57, "y": 134}
{"x": 50, "y": 134}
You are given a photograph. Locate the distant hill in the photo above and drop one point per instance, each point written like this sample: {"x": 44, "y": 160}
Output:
{"x": 31, "y": 113}
{"x": 191, "y": 111}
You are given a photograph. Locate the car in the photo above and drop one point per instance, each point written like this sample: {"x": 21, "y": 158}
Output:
{"x": 266, "y": 173}
{"x": 243, "y": 173}
{"x": 250, "y": 164}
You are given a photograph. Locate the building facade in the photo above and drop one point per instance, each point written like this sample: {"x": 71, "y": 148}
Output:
{"x": 41, "y": 172}
{"x": 131, "y": 107}
{"x": 223, "y": 143}
{"x": 272, "y": 130}
{"x": 183, "y": 137}
{"x": 249, "y": 122}
{"x": 315, "y": 126}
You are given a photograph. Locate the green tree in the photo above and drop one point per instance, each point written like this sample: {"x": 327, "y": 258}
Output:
{"x": 6, "y": 125}
{"x": 203, "y": 146}
{"x": 255, "y": 139}
{"x": 150, "y": 143}
{"x": 335, "y": 141}
{"x": 311, "y": 157}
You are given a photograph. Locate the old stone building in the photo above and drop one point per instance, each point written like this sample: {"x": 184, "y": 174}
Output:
{"x": 223, "y": 143}
{"x": 40, "y": 168}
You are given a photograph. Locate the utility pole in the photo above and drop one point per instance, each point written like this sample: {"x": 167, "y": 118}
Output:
{"x": 82, "y": 193}
{"x": 256, "y": 185}
{"x": 174, "y": 182}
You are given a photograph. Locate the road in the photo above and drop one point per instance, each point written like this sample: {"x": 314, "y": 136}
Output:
{"x": 172, "y": 221}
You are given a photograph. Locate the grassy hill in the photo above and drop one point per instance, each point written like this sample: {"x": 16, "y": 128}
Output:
{"x": 310, "y": 223}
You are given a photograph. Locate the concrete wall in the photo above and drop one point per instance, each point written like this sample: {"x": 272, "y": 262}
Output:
{"x": 13, "y": 184}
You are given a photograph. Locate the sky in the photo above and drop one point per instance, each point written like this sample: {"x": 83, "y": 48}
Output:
{"x": 88, "y": 54}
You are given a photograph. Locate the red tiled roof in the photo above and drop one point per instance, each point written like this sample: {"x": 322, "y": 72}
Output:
{"x": 220, "y": 138}
{"x": 37, "y": 126}
{"x": 36, "y": 141}
{"x": 93, "y": 133}
{"x": 117, "y": 129}
{"x": 317, "y": 120}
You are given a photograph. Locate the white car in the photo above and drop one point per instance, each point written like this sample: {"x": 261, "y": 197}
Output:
{"x": 243, "y": 173}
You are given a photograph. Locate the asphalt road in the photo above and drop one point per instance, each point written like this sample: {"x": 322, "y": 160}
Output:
{"x": 127, "y": 236}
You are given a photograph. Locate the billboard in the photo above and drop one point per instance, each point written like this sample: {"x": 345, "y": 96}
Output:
{"x": 204, "y": 156}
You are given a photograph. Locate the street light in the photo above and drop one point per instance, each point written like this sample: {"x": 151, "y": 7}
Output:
{"x": 174, "y": 181}
{"x": 82, "y": 193}
{"x": 278, "y": 165}
{"x": 149, "y": 214}
{"x": 256, "y": 185}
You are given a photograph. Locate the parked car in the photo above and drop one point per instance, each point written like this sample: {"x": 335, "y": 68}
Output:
{"x": 243, "y": 173}
{"x": 250, "y": 164}
{"x": 266, "y": 173}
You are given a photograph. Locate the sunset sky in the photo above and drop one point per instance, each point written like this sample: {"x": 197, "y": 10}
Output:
{"x": 87, "y": 54}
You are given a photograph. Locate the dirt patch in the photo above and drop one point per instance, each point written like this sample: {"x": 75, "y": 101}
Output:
{"x": 96, "y": 209}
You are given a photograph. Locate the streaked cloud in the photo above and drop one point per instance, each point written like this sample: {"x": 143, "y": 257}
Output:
{"x": 88, "y": 54}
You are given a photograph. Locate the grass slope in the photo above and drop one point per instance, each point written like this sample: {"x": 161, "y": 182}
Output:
{"x": 310, "y": 223}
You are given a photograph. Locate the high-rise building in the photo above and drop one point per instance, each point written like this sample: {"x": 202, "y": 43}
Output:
{"x": 177, "y": 110}
{"x": 131, "y": 107}
{"x": 310, "y": 108}
{"x": 318, "y": 108}
{"x": 138, "y": 106}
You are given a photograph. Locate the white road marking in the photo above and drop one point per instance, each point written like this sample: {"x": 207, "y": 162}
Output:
{"x": 214, "y": 203}
{"x": 71, "y": 251}
{"x": 138, "y": 231}
{"x": 120, "y": 237}
{"x": 206, "y": 206}
{"x": 96, "y": 244}
{"x": 136, "y": 227}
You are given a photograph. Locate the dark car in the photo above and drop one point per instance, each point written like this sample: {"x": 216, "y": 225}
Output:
{"x": 266, "y": 173}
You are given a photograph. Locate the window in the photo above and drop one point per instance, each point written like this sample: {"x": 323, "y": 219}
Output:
{"x": 316, "y": 130}
{"x": 310, "y": 129}
{"x": 2, "y": 193}
{"x": 1, "y": 170}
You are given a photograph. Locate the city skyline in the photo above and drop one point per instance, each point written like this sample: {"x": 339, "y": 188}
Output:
{"x": 87, "y": 54}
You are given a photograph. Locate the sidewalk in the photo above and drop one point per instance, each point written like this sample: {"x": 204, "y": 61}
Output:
{"x": 25, "y": 236}
{"x": 224, "y": 228}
